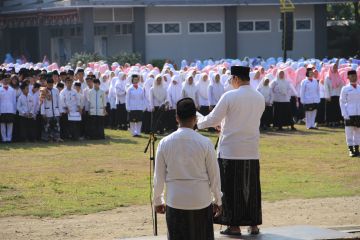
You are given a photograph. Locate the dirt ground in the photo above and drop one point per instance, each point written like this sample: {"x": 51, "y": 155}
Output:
{"x": 136, "y": 220}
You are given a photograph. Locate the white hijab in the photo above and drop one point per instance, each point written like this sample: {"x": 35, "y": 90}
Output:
{"x": 159, "y": 90}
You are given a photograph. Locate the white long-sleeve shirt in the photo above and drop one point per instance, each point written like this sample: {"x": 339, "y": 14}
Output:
{"x": 69, "y": 99}
{"x": 215, "y": 91}
{"x": 309, "y": 91}
{"x": 50, "y": 107}
{"x": 267, "y": 94}
{"x": 174, "y": 95}
{"x": 7, "y": 100}
{"x": 157, "y": 101}
{"x": 329, "y": 90}
{"x": 350, "y": 101}
{"x": 281, "y": 90}
{"x": 120, "y": 89}
{"x": 239, "y": 112}
{"x": 135, "y": 99}
{"x": 26, "y": 105}
{"x": 36, "y": 97}
{"x": 186, "y": 162}
{"x": 97, "y": 102}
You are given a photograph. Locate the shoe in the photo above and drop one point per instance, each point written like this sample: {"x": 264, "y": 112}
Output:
{"x": 352, "y": 151}
{"x": 293, "y": 128}
{"x": 356, "y": 150}
{"x": 230, "y": 232}
{"x": 253, "y": 230}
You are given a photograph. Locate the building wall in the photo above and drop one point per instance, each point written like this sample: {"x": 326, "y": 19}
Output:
{"x": 268, "y": 44}
{"x": 185, "y": 45}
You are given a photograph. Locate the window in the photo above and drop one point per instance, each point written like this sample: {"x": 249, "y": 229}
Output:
{"x": 155, "y": 28}
{"x": 76, "y": 31}
{"x": 100, "y": 30}
{"x": 262, "y": 26}
{"x": 204, "y": 27}
{"x": 123, "y": 29}
{"x": 57, "y": 32}
{"x": 196, "y": 27}
{"x": 163, "y": 28}
{"x": 254, "y": 26}
{"x": 213, "y": 27}
{"x": 303, "y": 25}
{"x": 172, "y": 28}
{"x": 246, "y": 26}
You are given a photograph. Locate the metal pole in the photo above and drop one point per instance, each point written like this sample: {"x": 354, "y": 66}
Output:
{"x": 284, "y": 36}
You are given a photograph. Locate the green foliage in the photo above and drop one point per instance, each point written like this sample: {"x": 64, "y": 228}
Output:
{"x": 84, "y": 58}
{"x": 341, "y": 11}
{"x": 158, "y": 63}
{"x": 122, "y": 58}
{"x": 344, "y": 41}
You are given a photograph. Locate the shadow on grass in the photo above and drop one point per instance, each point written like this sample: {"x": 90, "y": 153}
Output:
{"x": 288, "y": 132}
{"x": 28, "y": 145}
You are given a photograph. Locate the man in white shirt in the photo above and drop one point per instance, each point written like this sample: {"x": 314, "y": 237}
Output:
{"x": 350, "y": 110}
{"x": 310, "y": 98}
{"x": 26, "y": 108}
{"x": 186, "y": 162}
{"x": 97, "y": 111}
{"x": 239, "y": 112}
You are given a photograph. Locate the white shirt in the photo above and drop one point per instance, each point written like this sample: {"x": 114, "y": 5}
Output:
{"x": 158, "y": 96}
{"x": 186, "y": 162}
{"x": 309, "y": 91}
{"x": 329, "y": 90}
{"x": 267, "y": 93}
{"x": 7, "y": 100}
{"x": 97, "y": 102}
{"x": 36, "y": 97}
{"x": 202, "y": 87}
{"x": 50, "y": 107}
{"x": 135, "y": 99}
{"x": 69, "y": 99}
{"x": 239, "y": 112}
{"x": 26, "y": 105}
{"x": 120, "y": 88}
{"x": 215, "y": 91}
{"x": 174, "y": 94}
{"x": 350, "y": 101}
{"x": 281, "y": 90}
{"x": 321, "y": 90}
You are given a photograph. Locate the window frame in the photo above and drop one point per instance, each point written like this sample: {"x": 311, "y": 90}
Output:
{"x": 121, "y": 27}
{"x": 254, "y": 26}
{"x": 295, "y": 29}
{"x": 205, "y": 24}
{"x": 163, "y": 28}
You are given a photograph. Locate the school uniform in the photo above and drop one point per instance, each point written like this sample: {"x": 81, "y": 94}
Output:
{"x": 310, "y": 98}
{"x": 27, "y": 117}
{"x": 37, "y": 115}
{"x": 333, "y": 112}
{"x": 69, "y": 108}
{"x": 350, "y": 110}
{"x": 158, "y": 97}
{"x": 97, "y": 109}
{"x": 173, "y": 96}
{"x": 135, "y": 105}
{"x": 7, "y": 112}
{"x": 267, "y": 116}
{"x": 50, "y": 110}
{"x": 120, "y": 88}
{"x": 320, "y": 115}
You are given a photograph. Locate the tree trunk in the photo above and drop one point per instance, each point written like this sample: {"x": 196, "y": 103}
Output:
{"x": 356, "y": 9}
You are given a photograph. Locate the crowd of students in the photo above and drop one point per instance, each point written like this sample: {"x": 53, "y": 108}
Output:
{"x": 51, "y": 103}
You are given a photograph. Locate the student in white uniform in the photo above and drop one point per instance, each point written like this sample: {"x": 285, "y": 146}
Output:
{"x": 120, "y": 88}
{"x": 97, "y": 111}
{"x": 174, "y": 95}
{"x": 239, "y": 112}
{"x": 310, "y": 98}
{"x": 135, "y": 105}
{"x": 158, "y": 98}
{"x": 50, "y": 110}
{"x": 215, "y": 91}
{"x": 190, "y": 90}
{"x": 202, "y": 87}
{"x": 70, "y": 108}
{"x": 26, "y": 109}
{"x": 350, "y": 110}
{"x": 35, "y": 93}
{"x": 7, "y": 109}
{"x": 186, "y": 163}
{"x": 264, "y": 89}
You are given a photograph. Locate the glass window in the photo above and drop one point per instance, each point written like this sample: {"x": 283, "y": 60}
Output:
{"x": 262, "y": 25}
{"x": 197, "y": 27}
{"x": 303, "y": 24}
{"x": 246, "y": 26}
{"x": 172, "y": 28}
{"x": 155, "y": 28}
{"x": 100, "y": 30}
{"x": 213, "y": 27}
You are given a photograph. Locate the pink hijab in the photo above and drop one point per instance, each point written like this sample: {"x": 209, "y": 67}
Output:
{"x": 300, "y": 75}
{"x": 335, "y": 77}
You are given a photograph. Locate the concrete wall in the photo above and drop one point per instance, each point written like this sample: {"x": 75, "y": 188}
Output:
{"x": 268, "y": 44}
{"x": 185, "y": 45}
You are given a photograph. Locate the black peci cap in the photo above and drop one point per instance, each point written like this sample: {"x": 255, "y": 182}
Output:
{"x": 240, "y": 71}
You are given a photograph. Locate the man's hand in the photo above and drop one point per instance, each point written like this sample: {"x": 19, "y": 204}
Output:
{"x": 217, "y": 210}
{"x": 160, "y": 209}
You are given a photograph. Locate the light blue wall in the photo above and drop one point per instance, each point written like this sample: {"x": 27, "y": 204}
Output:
{"x": 185, "y": 45}
{"x": 268, "y": 44}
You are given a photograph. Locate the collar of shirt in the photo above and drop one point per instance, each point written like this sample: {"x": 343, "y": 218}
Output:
{"x": 354, "y": 85}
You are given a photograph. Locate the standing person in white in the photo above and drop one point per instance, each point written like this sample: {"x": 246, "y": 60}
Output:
{"x": 174, "y": 95}
{"x": 186, "y": 163}
{"x": 239, "y": 112}
{"x": 135, "y": 105}
{"x": 97, "y": 111}
{"x": 7, "y": 109}
{"x": 215, "y": 91}
{"x": 310, "y": 98}
{"x": 350, "y": 110}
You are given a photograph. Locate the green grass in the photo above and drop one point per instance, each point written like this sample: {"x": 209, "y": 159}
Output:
{"x": 85, "y": 177}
